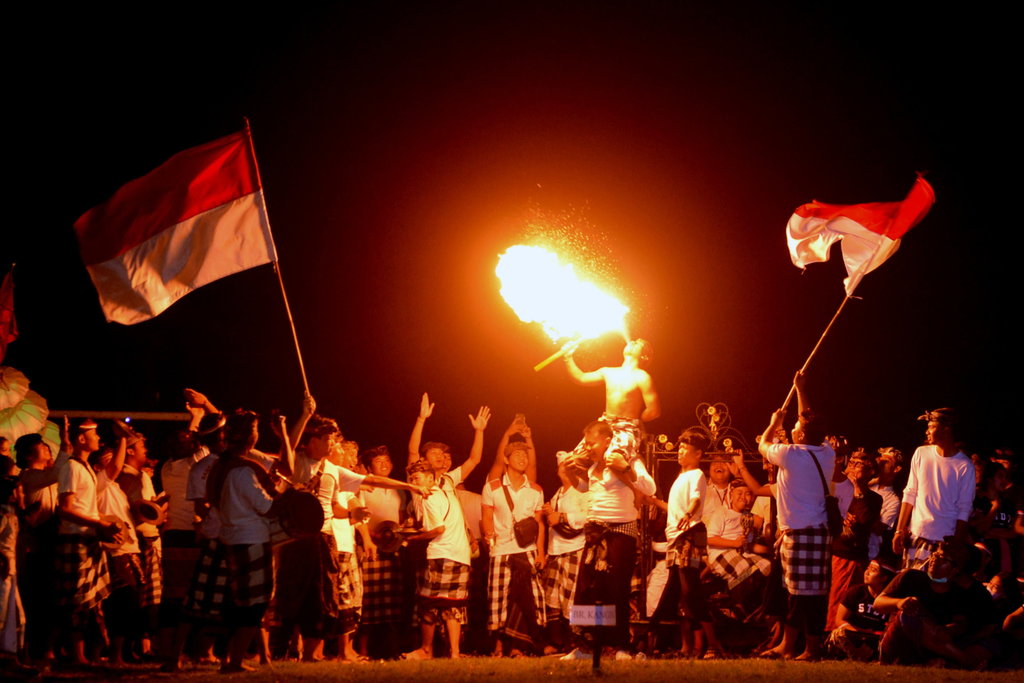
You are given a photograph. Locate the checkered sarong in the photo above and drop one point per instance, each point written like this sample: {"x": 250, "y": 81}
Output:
{"x": 806, "y": 556}
{"x": 559, "y": 582}
{"x": 207, "y": 592}
{"x": 736, "y": 567}
{"x": 350, "y": 584}
{"x": 500, "y": 578}
{"x": 250, "y": 574}
{"x": 153, "y": 571}
{"x": 917, "y": 552}
{"x": 84, "y": 580}
{"x": 382, "y": 589}
{"x": 444, "y": 590}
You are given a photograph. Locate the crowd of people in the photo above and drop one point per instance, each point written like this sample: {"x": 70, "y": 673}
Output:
{"x": 254, "y": 538}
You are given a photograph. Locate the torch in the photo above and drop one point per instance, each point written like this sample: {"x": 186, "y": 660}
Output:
{"x": 541, "y": 288}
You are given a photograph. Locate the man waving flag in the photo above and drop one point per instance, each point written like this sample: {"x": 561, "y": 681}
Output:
{"x": 870, "y": 233}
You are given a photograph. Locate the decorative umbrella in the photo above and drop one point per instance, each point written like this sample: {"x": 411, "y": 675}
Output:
{"x": 13, "y": 387}
{"x": 26, "y": 417}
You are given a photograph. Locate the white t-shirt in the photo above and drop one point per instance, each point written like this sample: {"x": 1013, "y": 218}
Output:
{"x": 611, "y": 500}
{"x": 726, "y": 524}
{"x": 442, "y": 508}
{"x": 688, "y": 486}
{"x": 941, "y": 490}
{"x": 798, "y": 489}
{"x": 243, "y": 506}
{"x": 528, "y": 499}
{"x": 111, "y": 500}
{"x": 472, "y": 510}
{"x": 715, "y": 500}
{"x": 344, "y": 532}
{"x": 890, "y": 513}
{"x": 75, "y": 477}
{"x": 573, "y": 504}
{"x": 196, "y": 490}
{"x": 843, "y": 491}
{"x": 383, "y": 505}
{"x": 174, "y": 476}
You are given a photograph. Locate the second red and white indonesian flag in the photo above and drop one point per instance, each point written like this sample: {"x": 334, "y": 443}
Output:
{"x": 870, "y": 233}
{"x": 196, "y": 218}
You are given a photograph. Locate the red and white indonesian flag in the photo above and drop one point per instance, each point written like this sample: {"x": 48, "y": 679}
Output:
{"x": 197, "y": 218}
{"x": 870, "y": 232}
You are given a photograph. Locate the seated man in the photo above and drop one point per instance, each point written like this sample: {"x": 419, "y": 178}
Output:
{"x": 731, "y": 535}
{"x": 859, "y": 626}
{"x": 923, "y": 607}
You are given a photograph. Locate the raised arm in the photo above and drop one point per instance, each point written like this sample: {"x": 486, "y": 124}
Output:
{"x": 308, "y": 410}
{"x": 287, "y": 451}
{"x": 766, "y": 438}
{"x": 476, "y": 452}
{"x": 652, "y": 403}
{"x": 117, "y": 462}
{"x": 426, "y": 410}
{"x": 578, "y": 376}
{"x": 753, "y": 484}
{"x": 800, "y": 383}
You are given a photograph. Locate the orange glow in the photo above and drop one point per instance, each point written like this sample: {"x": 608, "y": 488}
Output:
{"x": 542, "y": 289}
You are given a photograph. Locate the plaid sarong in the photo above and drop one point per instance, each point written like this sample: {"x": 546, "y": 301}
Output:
{"x": 626, "y": 434}
{"x": 250, "y": 574}
{"x": 512, "y": 584}
{"x": 350, "y": 584}
{"x": 180, "y": 553}
{"x": 208, "y": 590}
{"x": 559, "y": 582}
{"x": 153, "y": 570}
{"x": 445, "y": 590}
{"x": 806, "y": 556}
{"x": 736, "y": 567}
{"x": 917, "y": 552}
{"x": 84, "y": 580}
{"x": 382, "y": 589}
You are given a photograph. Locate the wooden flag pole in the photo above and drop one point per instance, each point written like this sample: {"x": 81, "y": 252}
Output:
{"x": 277, "y": 267}
{"x": 792, "y": 388}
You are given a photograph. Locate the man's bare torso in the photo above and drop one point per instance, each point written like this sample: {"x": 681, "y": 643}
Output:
{"x": 623, "y": 394}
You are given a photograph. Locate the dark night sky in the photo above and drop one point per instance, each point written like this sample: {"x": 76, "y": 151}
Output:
{"x": 403, "y": 146}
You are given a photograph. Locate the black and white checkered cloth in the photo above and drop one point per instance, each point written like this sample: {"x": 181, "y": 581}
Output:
{"x": 208, "y": 589}
{"x": 153, "y": 568}
{"x": 917, "y": 552}
{"x": 806, "y": 556}
{"x": 250, "y": 574}
{"x": 82, "y": 572}
{"x": 350, "y": 584}
{"x": 736, "y": 567}
{"x": 559, "y": 582}
{"x": 382, "y": 589}
{"x": 444, "y": 590}
{"x": 499, "y": 586}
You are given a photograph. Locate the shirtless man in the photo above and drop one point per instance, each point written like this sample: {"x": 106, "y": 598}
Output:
{"x": 630, "y": 396}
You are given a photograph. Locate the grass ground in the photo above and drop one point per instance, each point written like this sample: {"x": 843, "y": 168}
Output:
{"x": 483, "y": 669}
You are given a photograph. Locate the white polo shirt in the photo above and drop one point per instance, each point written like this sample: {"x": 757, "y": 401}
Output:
{"x": 527, "y": 499}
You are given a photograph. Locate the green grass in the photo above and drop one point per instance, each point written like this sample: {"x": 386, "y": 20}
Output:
{"x": 487, "y": 670}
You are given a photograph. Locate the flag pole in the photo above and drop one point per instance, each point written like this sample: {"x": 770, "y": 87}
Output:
{"x": 792, "y": 388}
{"x": 277, "y": 267}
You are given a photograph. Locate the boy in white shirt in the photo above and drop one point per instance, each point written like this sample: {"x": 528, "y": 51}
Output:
{"x": 445, "y": 588}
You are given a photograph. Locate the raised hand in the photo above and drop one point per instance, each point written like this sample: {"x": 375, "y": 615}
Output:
{"x": 308, "y": 404}
{"x": 426, "y": 407}
{"x": 483, "y": 416}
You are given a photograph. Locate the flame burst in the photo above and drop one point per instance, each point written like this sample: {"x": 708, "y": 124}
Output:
{"x": 542, "y": 289}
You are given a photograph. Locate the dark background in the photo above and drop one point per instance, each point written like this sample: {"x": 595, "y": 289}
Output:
{"x": 403, "y": 146}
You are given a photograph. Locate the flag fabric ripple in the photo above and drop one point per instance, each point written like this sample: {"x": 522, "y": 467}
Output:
{"x": 196, "y": 218}
{"x": 870, "y": 233}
